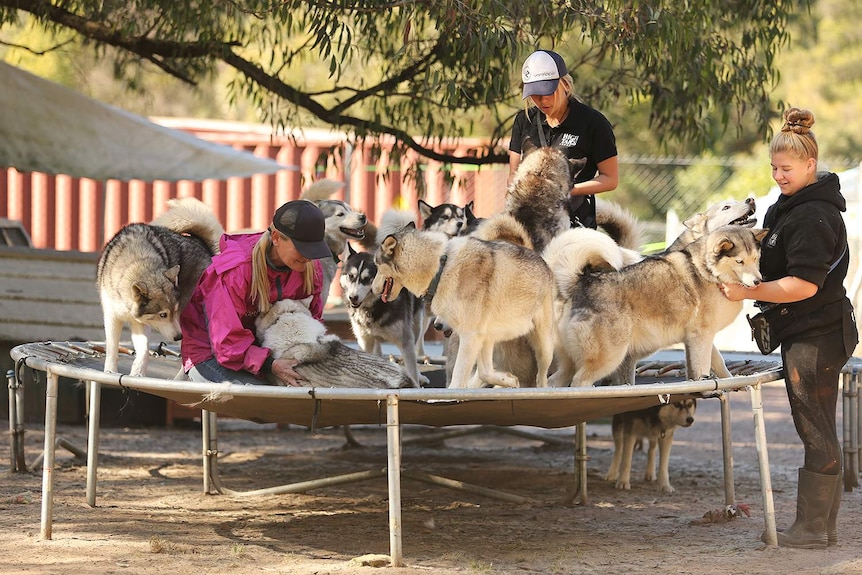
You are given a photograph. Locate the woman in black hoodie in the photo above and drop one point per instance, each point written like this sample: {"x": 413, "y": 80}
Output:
{"x": 804, "y": 260}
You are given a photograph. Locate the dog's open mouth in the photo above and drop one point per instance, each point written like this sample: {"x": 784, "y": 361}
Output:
{"x": 387, "y": 290}
{"x": 355, "y": 233}
{"x": 745, "y": 221}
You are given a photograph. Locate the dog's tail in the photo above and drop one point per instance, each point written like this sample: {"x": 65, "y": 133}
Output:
{"x": 192, "y": 216}
{"x": 619, "y": 223}
{"x": 321, "y": 190}
{"x": 577, "y": 250}
{"x": 503, "y": 228}
{"x": 392, "y": 221}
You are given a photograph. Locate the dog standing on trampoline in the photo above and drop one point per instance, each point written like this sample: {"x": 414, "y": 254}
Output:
{"x": 147, "y": 272}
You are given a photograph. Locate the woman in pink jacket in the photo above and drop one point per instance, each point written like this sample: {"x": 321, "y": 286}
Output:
{"x": 251, "y": 272}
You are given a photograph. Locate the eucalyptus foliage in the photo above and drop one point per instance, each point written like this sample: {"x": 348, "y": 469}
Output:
{"x": 421, "y": 70}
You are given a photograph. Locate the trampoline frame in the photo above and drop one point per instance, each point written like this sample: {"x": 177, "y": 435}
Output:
{"x": 49, "y": 357}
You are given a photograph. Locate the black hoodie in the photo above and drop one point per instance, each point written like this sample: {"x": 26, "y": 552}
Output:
{"x": 806, "y": 237}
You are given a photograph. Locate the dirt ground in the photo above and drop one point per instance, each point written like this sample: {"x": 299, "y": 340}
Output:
{"x": 152, "y": 517}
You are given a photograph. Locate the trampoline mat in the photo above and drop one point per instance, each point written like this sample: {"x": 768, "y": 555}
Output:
{"x": 658, "y": 382}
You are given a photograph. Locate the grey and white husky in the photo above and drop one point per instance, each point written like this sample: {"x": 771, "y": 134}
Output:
{"x": 655, "y": 424}
{"x": 343, "y": 223}
{"x": 724, "y": 213}
{"x": 290, "y": 331}
{"x": 147, "y": 272}
{"x": 609, "y": 319}
{"x": 374, "y": 322}
{"x": 485, "y": 291}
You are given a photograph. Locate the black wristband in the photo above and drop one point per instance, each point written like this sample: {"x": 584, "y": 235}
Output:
{"x": 266, "y": 368}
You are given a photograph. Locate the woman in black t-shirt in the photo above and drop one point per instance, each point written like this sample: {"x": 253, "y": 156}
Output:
{"x": 556, "y": 118}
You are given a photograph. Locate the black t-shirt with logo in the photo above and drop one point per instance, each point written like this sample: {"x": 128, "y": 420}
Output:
{"x": 584, "y": 134}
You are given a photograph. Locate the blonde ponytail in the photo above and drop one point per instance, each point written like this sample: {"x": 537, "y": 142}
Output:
{"x": 259, "y": 276}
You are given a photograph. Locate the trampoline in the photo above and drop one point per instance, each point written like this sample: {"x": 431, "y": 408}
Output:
{"x": 659, "y": 381}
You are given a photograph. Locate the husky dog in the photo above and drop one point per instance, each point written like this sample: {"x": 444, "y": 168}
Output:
{"x": 147, "y": 272}
{"x": 726, "y": 213}
{"x": 290, "y": 331}
{"x": 375, "y": 322}
{"x": 342, "y": 224}
{"x": 449, "y": 219}
{"x": 538, "y": 195}
{"x": 487, "y": 292}
{"x": 609, "y": 319}
{"x": 655, "y": 424}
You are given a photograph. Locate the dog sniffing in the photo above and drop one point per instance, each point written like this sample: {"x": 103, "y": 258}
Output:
{"x": 608, "y": 319}
{"x": 147, "y": 272}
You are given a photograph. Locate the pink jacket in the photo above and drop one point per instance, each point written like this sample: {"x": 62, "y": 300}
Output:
{"x": 219, "y": 319}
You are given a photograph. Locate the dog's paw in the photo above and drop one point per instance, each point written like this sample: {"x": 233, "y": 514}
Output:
{"x": 649, "y": 476}
{"x": 666, "y": 488}
{"x": 609, "y": 476}
{"x": 620, "y": 484}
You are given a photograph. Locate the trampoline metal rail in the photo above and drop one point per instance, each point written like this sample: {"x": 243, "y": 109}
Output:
{"x": 330, "y": 406}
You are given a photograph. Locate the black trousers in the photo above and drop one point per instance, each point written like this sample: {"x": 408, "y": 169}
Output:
{"x": 812, "y": 367}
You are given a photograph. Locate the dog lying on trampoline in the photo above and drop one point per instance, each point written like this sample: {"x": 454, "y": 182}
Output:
{"x": 290, "y": 331}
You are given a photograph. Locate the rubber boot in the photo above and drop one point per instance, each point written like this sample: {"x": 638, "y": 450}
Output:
{"x": 814, "y": 501}
{"x": 832, "y": 521}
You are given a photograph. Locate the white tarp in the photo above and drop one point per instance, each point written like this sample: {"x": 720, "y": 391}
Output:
{"x": 45, "y": 127}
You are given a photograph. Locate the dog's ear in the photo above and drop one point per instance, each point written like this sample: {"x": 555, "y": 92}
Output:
{"x": 307, "y": 301}
{"x": 723, "y": 245}
{"x": 576, "y": 166}
{"x": 173, "y": 275}
{"x": 387, "y": 248}
{"x": 424, "y": 208}
{"x": 759, "y": 234}
{"x": 409, "y": 227}
{"x": 697, "y": 223}
{"x": 528, "y": 147}
{"x": 141, "y": 292}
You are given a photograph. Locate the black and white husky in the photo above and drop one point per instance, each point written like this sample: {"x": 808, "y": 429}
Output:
{"x": 375, "y": 322}
{"x": 656, "y": 424}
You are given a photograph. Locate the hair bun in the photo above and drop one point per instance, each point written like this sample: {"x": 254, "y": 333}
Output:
{"x": 797, "y": 121}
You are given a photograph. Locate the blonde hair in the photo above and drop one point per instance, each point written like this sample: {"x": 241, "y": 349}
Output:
{"x": 260, "y": 279}
{"x": 796, "y": 137}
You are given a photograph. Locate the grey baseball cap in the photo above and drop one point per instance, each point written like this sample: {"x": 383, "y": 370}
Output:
{"x": 541, "y": 73}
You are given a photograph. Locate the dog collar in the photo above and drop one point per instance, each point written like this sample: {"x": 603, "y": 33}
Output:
{"x": 432, "y": 288}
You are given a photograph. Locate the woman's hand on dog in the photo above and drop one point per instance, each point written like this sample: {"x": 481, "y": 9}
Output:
{"x": 283, "y": 370}
{"x": 735, "y": 292}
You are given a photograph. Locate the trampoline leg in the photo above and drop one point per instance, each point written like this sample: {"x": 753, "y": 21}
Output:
{"x": 393, "y": 445}
{"x": 850, "y": 426}
{"x": 94, "y": 418}
{"x": 763, "y": 459}
{"x": 209, "y": 433}
{"x": 16, "y": 423}
{"x": 582, "y": 462}
{"x": 727, "y": 451}
{"x": 48, "y": 467}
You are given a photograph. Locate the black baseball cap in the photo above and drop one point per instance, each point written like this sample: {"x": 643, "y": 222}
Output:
{"x": 304, "y": 224}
